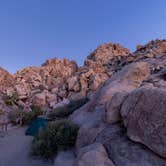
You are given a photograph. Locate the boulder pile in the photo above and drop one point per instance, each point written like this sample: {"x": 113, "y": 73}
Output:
{"x": 57, "y": 80}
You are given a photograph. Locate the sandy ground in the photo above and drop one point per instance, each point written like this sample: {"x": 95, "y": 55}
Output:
{"x": 15, "y": 147}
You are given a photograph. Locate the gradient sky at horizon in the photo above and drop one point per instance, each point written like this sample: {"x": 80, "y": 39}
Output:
{"x": 32, "y": 31}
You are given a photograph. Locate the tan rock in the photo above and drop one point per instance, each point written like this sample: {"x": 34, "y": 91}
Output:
{"x": 51, "y": 99}
{"x": 39, "y": 99}
{"x": 96, "y": 80}
{"x": 73, "y": 84}
{"x": 106, "y": 52}
{"x": 54, "y": 90}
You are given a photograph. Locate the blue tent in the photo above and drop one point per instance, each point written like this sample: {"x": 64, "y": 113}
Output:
{"x": 34, "y": 127}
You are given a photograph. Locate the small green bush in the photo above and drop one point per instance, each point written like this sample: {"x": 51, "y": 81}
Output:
{"x": 62, "y": 112}
{"x": 57, "y": 136}
{"x": 11, "y": 100}
{"x": 28, "y": 117}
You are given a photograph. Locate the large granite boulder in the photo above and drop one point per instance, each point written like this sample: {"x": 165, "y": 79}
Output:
{"x": 144, "y": 116}
{"x": 126, "y": 80}
{"x": 124, "y": 152}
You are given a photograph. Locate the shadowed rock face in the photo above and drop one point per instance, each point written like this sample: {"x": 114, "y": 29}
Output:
{"x": 144, "y": 116}
{"x": 153, "y": 48}
{"x": 123, "y": 151}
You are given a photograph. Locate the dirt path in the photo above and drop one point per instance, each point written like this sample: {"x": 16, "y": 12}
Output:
{"x": 14, "y": 150}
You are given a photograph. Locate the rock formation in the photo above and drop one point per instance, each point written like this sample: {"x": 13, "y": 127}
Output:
{"x": 119, "y": 105}
{"x": 124, "y": 122}
{"x": 6, "y": 79}
{"x": 144, "y": 116}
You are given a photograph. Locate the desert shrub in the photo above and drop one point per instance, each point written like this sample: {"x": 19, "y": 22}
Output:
{"x": 62, "y": 112}
{"x": 28, "y": 117}
{"x": 23, "y": 117}
{"x": 57, "y": 136}
{"x": 11, "y": 100}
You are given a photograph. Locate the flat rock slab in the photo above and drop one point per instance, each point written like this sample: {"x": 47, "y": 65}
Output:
{"x": 14, "y": 150}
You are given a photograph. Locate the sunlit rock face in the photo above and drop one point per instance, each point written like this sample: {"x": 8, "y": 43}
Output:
{"x": 63, "y": 79}
{"x": 6, "y": 79}
{"x": 104, "y": 53}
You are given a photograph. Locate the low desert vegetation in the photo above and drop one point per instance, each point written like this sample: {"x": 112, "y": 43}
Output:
{"x": 11, "y": 100}
{"x": 57, "y": 136}
{"x": 65, "y": 111}
{"x": 24, "y": 118}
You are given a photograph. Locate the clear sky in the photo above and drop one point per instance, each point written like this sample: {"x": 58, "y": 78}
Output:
{"x": 32, "y": 31}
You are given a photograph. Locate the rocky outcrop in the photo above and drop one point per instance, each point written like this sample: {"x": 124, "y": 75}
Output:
{"x": 126, "y": 80}
{"x": 122, "y": 151}
{"x": 152, "y": 49}
{"x": 69, "y": 81}
{"x": 73, "y": 82}
{"x": 51, "y": 74}
{"x": 124, "y": 121}
{"x": 41, "y": 85}
{"x": 63, "y": 79}
{"x": 144, "y": 116}
{"x": 105, "y": 53}
{"x": 91, "y": 116}
{"x": 6, "y": 80}
{"x": 98, "y": 67}
{"x": 123, "y": 148}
